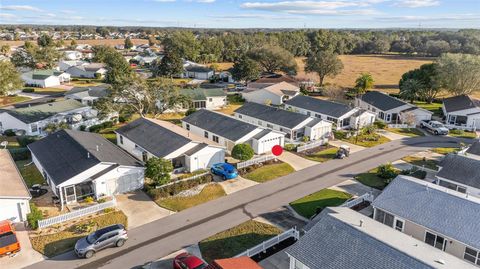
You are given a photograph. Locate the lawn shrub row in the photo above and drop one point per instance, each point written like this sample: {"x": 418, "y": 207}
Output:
{"x": 97, "y": 128}
{"x": 173, "y": 189}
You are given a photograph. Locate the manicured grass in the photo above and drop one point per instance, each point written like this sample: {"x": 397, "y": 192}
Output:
{"x": 30, "y": 173}
{"x": 366, "y": 141}
{"x": 445, "y": 151}
{"x": 462, "y": 134}
{"x": 436, "y": 108}
{"x": 174, "y": 118}
{"x": 308, "y": 205}
{"x": 179, "y": 203}
{"x": 234, "y": 241}
{"x": 323, "y": 155}
{"x": 229, "y": 109}
{"x": 412, "y": 132}
{"x": 8, "y": 100}
{"x": 430, "y": 164}
{"x": 371, "y": 179}
{"x": 57, "y": 243}
{"x": 269, "y": 172}
{"x": 12, "y": 141}
{"x": 47, "y": 90}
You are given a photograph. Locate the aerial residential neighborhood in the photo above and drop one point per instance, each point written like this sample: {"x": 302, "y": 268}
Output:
{"x": 239, "y": 134}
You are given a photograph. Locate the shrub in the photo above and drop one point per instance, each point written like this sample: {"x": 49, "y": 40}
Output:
{"x": 108, "y": 210}
{"x": 20, "y": 154}
{"x": 380, "y": 124}
{"x": 74, "y": 79}
{"x": 89, "y": 199}
{"x": 339, "y": 134}
{"x": 190, "y": 111}
{"x": 98, "y": 75}
{"x": 83, "y": 127}
{"x": 414, "y": 172}
{"x": 305, "y": 139}
{"x": 84, "y": 227}
{"x": 97, "y": 128}
{"x": 290, "y": 147}
{"x": 28, "y": 90}
{"x": 173, "y": 189}
{"x": 23, "y": 141}
{"x": 158, "y": 170}
{"x": 34, "y": 216}
{"x": 242, "y": 152}
{"x": 386, "y": 171}
{"x": 101, "y": 200}
{"x": 9, "y": 132}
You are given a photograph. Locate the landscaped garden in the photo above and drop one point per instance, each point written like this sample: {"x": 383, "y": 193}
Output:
{"x": 321, "y": 154}
{"x": 312, "y": 204}
{"x": 462, "y": 134}
{"x": 366, "y": 137}
{"x": 267, "y": 172}
{"x": 379, "y": 177}
{"x": 234, "y": 241}
{"x": 179, "y": 203}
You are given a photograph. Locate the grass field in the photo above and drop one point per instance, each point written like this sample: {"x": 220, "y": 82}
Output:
{"x": 371, "y": 179}
{"x": 179, "y": 203}
{"x": 30, "y": 173}
{"x": 8, "y": 100}
{"x": 364, "y": 141}
{"x": 93, "y": 42}
{"x": 445, "y": 151}
{"x": 323, "y": 155}
{"x": 269, "y": 172}
{"x": 412, "y": 132}
{"x": 436, "y": 108}
{"x": 308, "y": 205}
{"x": 234, "y": 241}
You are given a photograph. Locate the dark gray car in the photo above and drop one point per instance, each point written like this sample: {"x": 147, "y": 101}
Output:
{"x": 114, "y": 235}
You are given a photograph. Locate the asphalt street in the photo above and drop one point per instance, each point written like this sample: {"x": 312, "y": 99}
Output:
{"x": 159, "y": 238}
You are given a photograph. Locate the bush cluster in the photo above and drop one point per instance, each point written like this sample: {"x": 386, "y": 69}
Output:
{"x": 34, "y": 216}
{"x": 97, "y": 128}
{"x": 28, "y": 90}
{"x": 20, "y": 154}
{"x": 9, "y": 132}
{"x": 290, "y": 147}
{"x": 173, "y": 189}
{"x": 242, "y": 152}
{"x": 386, "y": 171}
{"x": 25, "y": 140}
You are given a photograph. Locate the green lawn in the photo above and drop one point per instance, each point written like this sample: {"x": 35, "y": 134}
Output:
{"x": 412, "y": 132}
{"x": 371, "y": 179}
{"x": 462, "y": 134}
{"x": 323, "y": 155}
{"x": 8, "y": 100}
{"x": 30, "y": 173}
{"x": 445, "y": 151}
{"x": 234, "y": 241}
{"x": 179, "y": 203}
{"x": 47, "y": 90}
{"x": 367, "y": 141}
{"x": 436, "y": 108}
{"x": 12, "y": 142}
{"x": 57, "y": 243}
{"x": 269, "y": 172}
{"x": 430, "y": 164}
{"x": 308, "y": 205}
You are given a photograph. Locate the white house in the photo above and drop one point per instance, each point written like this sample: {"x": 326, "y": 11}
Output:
{"x": 462, "y": 111}
{"x": 146, "y": 138}
{"x": 14, "y": 194}
{"x": 296, "y": 126}
{"x": 45, "y": 78}
{"x": 78, "y": 164}
{"x": 270, "y": 93}
{"x": 343, "y": 116}
{"x": 72, "y": 55}
{"x": 88, "y": 95}
{"x": 206, "y": 98}
{"x": 92, "y": 70}
{"x": 32, "y": 120}
{"x": 64, "y": 65}
{"x": 197, "y": 71}
{"x": 228, "y": 131}
{"x": 392, "y": 110}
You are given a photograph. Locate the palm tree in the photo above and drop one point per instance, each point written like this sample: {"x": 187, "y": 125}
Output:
{"x": 410, "y": 89}
{"x": 363, "y": 83}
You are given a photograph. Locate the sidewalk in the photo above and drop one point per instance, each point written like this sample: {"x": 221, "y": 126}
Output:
{"x": 353, "y": 148}
{"x": 237, "y": 184}
{"x": 390, "y": 135}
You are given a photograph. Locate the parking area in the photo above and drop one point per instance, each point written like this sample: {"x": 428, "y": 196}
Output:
{"x": 26, "y": 256}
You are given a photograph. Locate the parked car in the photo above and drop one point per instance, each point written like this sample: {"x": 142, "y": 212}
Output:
{"x": 114, "y": 235}
{"x": 188, "y": 261}
{"x": 37, "y": 190}
{"x": 225, "y": 170}
{"x": 435, "y": 127}
{"x": 9, "y": 244}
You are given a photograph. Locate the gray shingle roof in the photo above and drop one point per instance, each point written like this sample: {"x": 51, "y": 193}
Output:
{"x": 460, "y": 102}
{"x": 474, "y": 148}
{"x": 93, "y": 91}
{"x": 271, "y": 114}
{"x": 332, "y": 244}
{"x": 325, "y": 107}
{"x": 436, "y": 208}
{"x": 43, "y": 111}
{"x": 154, "y": 138}
{"x": 220, "y": 124}
{"x": 381, "y": 101}
{"x": 67, "y": 153}
{"x": 461, "y": 169}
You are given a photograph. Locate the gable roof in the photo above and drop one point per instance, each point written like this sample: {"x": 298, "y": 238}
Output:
{"x": 280, "y": 89}
{"x": 243, "y": 262}
{"x": 381, "y": 100}
{"x": 91, "y": 91}
{"x": 325, "y": 107}
{"x": 461, "y": 169}
{"x": 434, "y": 207}
{"x": 474, "y": 148}
{"x": 271, "y": 114}
{"x": 220, "y": 124}
{"x": 39, "y": 112}
{"x": 276, "y": 78}
{"x": 42, "y": 74}
{"x": 198, "y": 68}
{"x": 461, "y": 102}
{"x": 202, "y": 94}
{"x": 12, "y": 183}
{"x": 338, "y": 240}
{"x": 66, "y": 153}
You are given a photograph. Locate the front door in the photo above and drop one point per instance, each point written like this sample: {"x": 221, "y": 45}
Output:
{"x": 70, "y": 196}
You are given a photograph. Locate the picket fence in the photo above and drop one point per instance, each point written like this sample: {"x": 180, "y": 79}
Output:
{"x": 257, "y": 160}
{"x": 262, "y": 247}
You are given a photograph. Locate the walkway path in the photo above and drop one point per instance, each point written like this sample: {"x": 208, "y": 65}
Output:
{"x": 353, "y": 148}
{"x": 297, "y": 162}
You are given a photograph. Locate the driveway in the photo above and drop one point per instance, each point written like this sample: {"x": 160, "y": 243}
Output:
{"x": 140, "y": 209}
{"x": 283, "y": 218}
{"x": 27, "y": 256}
{"x": 354, "y": 187}
{"x": 391, "y": 135}
{"x": 167, "y": 261}
{"x": 278, "y": 260}
{"x": 237, "y": 184}
{"x": 297, "y": 162}
{"x": 353, "y": 148}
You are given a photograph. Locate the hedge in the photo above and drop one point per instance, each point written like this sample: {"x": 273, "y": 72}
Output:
{"x": 174, "y": 189}
{"x": 34, "y": 216}
{"x": 97, "y": 128}
{"x": 28, "y": 90}
{"x": 20, "y": 154}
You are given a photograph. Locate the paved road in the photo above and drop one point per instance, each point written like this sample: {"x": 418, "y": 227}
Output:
{"x": 159, "y": 238}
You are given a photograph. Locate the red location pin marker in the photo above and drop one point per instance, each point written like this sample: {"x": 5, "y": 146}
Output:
{"x": 277, "y": 150}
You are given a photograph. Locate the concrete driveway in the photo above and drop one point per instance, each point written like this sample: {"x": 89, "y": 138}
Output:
{"x": 237, "y": 184}
{"x": 283, "y": 218}
{"x": 390, "y": 135}
{"x": 167, "y": 261}
{"x": 355, "y": 188}
{"x": 27, "y": 256}
{"x": 297, "y": 162}
{"x": 140, "y": 209}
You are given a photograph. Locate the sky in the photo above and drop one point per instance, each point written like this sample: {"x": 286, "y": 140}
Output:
{"x": 246, "y": 13}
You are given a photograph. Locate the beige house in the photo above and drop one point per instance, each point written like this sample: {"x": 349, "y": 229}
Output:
{"x": 270, "y": 93}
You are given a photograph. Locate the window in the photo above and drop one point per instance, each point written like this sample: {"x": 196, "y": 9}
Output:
{"x": 374, "y": 109}
{"x": 205, "y": 134}
{"x": 331, "y": 119}
{"x": 239, "y": 116}
{"x": 210, "y": 99}
{"x": 472, "y": 255}
{"x": 435, "y": 240}
{"x": 121, "y": 139}
{"x": 381, "y": 115}
{"x": 215, "y": 138}
{"x": 188, "y": 127}
{"x": 384, "y": 217}
{"x": 399, "y": 225}
{"x": 269, "y": 126}
{"x": 318, "y": 116}
{"x": 389, "y": 117}
{"x": 308, "y": 113}
{"x": 34, "y": 127}
{"x": 452, "y": 186}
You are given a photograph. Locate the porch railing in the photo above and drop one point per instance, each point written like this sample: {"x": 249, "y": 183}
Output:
{"x": 257, "y": 160}
{"x": 367, "y": 197}
{"x": 262, "y": 247}
{"x": 76, "y": 214}
{"x": 311, "y": 145}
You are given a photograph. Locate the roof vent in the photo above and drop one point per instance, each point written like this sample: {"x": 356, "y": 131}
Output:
{"x": 88, "y": 155}
{"x": 97, "y": 147}
{"x": 361, "y": 223}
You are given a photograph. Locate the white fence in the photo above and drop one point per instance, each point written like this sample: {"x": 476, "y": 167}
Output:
{"x": 367, "y": 197}
{"x": 311, "y": 145}
{"x": 260, "y": 159}
{"x": 458, "y": 127}
{"x": 270, "y": 243}
{"x": 181, "y": 180}
{"x": 76, "y": 214}
{"x": 400, "y": 126}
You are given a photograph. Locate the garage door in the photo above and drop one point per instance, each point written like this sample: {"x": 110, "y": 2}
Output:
{"x": 10, "y": 212}
{"x": 266, "y": 146}
{"x": 124, "y": 184}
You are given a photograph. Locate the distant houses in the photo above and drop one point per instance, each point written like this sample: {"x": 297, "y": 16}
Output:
{"x": 462, "y": 111}
{"x": 91, "y": 70}
{"x": 88, "y": 95}
{"x": 45, "y": 78}
{"x": 270, "y": 93}
{"x": 197, "y": 71}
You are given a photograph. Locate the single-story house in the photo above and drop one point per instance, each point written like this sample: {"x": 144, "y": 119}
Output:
{"x": 146, "y": 138}
{"x": 277, "y": 78}
{"x": 33, "y": 119}
{"x": 92, "y": 70}
{"x": 392, "y": 110}
{"x": 270, "y": 93}
{"x": 296, "y": 126}
{"x": 79, "y": 164}
{"x": 228, "y": 131}
{"x": 72, "y": 55}
{"x": 64, "y": 65}
{"x": 145, "y": 60}
{"x": 88, "y": 95}
{"x": 45, "y": 78}
{"x": 431, "y": 214}
{"x": 343, "y": 238}
{"x": 197, "y": 71}
{"x": 472, "y": 151}
{"x": 14, "y": 194}
{"x": 460, "y": 173}
{"x": 206, "y": 98}
{"x": 342, "y": 115}
{"x": 462, "y": 111}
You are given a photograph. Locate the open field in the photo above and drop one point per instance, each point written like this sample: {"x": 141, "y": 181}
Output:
{"x": 8, "y": 100}
{"x": 93, "y": 42}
